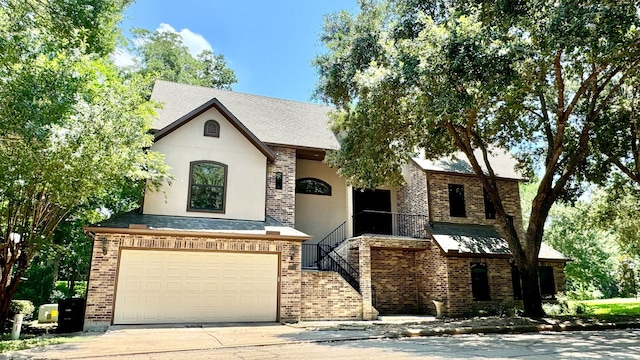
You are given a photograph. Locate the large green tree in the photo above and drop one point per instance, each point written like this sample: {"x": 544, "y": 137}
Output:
{"x": 593, "y": 251}
{"x": 534, "y": 77}
{"x": 163, "y": 55}
{"x": 71, "y": 130}
{"x": 617, "y": 209}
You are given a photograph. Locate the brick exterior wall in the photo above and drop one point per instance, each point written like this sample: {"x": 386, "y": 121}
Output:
{"x": 460, "y": 300}
{"x": 104, "y": 267}
{"x": 281, "y": 203}
{"x": 409, "y": 274}
{"x": 362, "y": 262}
{"x": 327, "y": 296}
{"x": 438, "y": 185}
{"x": 413, "y": 197}
{"x": 434, "y": 283}
{"x": 395, "y": 279}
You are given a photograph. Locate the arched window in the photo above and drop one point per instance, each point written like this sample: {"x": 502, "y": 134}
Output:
{"x": 212, "y": 128}
{"x": 207, "y": 186}
{"x": 312, "y": 186}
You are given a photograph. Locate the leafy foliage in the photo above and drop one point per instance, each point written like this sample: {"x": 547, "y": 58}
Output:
{"x": 163, "y": 55}
{"x": 24, "y": 307}
{"x": 617, "y": 210}
{"x": 593, "y": 252}
{"x": 39, "y": 278}
{"x": 71, "y": 130}
{"x": 534, "y": 77}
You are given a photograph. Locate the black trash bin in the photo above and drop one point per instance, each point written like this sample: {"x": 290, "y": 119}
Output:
{"x": 70, "y": 315}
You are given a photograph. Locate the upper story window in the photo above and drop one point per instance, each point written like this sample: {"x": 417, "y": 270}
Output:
{"x": 207, "y": 186}
{"x": 212, "y": 128}
{"x": 489, "y": 209}
{"x": 279, "y": 180}
{"x": 456, "y": 201}
{"x": 479, "y": 281}
{"x": 312, "y": 186}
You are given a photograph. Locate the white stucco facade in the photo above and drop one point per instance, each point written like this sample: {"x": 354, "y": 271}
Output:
{"x": 317, "y": 215}
{"x": 246, "y": 170}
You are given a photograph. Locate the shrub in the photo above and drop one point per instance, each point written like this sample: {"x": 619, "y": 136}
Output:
{"x": 499, "y": 310}
{"x": 24, "y": 307}
{"x": 80, "y": 289}
{"x": 565, "y": 307}
{"x": 62, "y": 291}
{"x": 56, "y": 295}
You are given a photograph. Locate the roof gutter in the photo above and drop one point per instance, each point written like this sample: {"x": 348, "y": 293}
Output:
{"x": 139, "y": 230}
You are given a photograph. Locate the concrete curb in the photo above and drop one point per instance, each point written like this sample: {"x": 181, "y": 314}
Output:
{"x": 515, "y": 329}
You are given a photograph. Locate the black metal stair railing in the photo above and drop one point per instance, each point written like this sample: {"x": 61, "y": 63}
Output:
{"x": 331, "y": 261}
{"x": 310, "y": 256}
{"x": 335, "y": 237}
{"x": 322, "y": 255}
{"x": 311, "y": 253}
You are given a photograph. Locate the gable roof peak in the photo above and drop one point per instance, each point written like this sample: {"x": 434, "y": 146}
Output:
{"x": 273, "y": 121}
{"x": 215, "y": 104}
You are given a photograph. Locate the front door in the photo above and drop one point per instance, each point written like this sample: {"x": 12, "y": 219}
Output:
{"x": 372, "y": 212}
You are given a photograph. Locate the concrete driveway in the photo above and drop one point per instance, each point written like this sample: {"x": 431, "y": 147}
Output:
{"x": 157, "y": 339}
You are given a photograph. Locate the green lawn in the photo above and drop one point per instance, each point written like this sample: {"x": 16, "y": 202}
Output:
{"x": 628, "y": 307}
{"x": 30, "y": 341}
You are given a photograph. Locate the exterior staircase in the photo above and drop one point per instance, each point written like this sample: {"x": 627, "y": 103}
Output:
{"x": 322, "y": 256}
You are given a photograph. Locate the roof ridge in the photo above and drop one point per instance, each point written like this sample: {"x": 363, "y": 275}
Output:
{"x": 246, "y": 94}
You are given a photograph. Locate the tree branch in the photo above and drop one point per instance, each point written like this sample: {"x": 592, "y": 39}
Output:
{"x": 559, "y": 83}
{"x": 625, "y": 169}
{"x": 616, "y": 87}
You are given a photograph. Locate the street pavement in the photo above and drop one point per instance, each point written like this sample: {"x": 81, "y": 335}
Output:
{"x": 325, "y": 340}
{"x": 612, "y": 344}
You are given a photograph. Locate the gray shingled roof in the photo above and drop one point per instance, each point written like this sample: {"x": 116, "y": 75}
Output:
{"x": 273, "y": 121}
{"x": 480, "y": 239}
{"x": 503, "y": 164}
{"x": 186, "y": 223}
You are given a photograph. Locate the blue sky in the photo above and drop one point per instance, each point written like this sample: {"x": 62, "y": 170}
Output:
{"x": 269, "y": 44}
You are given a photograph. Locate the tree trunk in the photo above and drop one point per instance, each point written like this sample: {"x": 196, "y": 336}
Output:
{"x": 72, "y": 285}
{"x": 531, "y": 298}
{"x": 7, "y": 290}
{"x": 4, "y": 311}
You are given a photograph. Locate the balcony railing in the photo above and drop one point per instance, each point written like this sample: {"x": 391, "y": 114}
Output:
{"x": 370, "y": 222}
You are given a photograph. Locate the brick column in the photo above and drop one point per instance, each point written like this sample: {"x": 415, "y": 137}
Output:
{"x": 102, "y": 281}
{"x": 364, "y": 265}
{"x": 281, "y": 203}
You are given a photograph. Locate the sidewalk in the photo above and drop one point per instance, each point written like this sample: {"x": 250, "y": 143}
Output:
{"x": 150, "y": 339}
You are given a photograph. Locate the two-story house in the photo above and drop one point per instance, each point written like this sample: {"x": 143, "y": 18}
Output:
{"x": 255, "y": 227}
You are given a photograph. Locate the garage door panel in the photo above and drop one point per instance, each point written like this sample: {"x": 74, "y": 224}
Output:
{"x": 169, "y": 300}
{"x": 174, "y": 286}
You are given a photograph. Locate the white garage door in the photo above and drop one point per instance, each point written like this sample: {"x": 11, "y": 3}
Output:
{"x": 184, "y": 286}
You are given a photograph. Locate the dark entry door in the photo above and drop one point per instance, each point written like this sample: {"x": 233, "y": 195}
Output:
{"x": 372, "y": 212}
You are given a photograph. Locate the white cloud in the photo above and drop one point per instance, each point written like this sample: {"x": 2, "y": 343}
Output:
{"x": 121, "y": 57}
{"x": 195, "y": 42}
